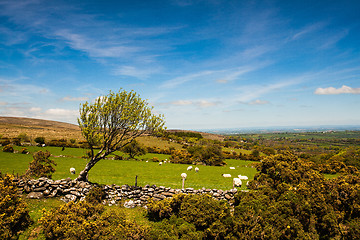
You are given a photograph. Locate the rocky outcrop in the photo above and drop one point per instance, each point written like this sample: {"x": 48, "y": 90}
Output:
{"x": 72, "y": 190}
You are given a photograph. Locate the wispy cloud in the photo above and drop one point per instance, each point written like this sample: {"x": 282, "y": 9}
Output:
{"x": 333, "y": 39}
{"x": 220, "y": 76}
{"x": 333, "y": 91}
{"x": 251, "y": 93}
{"x": 11, "y": 88}
{"x": 309, "y": 30}
{"x": 258, "y": 102}
{"x": 181, "y": 80}
{"x": 136, "y": 72}
{"x": 197, "y": 103}
{"x": 233, "y": 74}
{"x": 74, "y": 99}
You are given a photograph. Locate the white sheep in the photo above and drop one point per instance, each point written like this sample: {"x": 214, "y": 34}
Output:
{"x": 232, "y": 168}
{"x": 243, "y": 177}
{"x": 236, "y": 182}
{"x": 226, "y": 175}
{"x": 183, "y": 176}
{"x": 197, "y": 169}
{"x": 189, "y": 168}
{"x": 160, "y": 163}
{"x": 72, "y": 170}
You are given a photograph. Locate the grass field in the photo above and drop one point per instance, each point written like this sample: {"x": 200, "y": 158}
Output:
{"x": 122, "y": 172}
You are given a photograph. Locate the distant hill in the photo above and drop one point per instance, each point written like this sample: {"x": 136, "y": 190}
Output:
{"x": 13, "y": 126}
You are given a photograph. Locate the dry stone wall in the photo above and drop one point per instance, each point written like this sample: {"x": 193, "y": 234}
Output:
{"x": 72, "y": 190}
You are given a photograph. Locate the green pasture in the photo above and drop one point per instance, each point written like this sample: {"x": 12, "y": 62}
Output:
{"x": 122, "y": 172}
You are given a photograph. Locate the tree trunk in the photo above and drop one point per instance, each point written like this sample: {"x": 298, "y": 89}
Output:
{"x": 83, "y": 175}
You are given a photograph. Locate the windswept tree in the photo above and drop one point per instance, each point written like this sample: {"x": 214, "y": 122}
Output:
{"x": 112, "y": 122}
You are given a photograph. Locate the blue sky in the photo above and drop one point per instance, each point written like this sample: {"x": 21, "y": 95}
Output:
{"x": 203, "y": 64}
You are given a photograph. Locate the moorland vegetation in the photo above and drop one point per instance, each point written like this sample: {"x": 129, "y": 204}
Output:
{"x": 301, "y": 186}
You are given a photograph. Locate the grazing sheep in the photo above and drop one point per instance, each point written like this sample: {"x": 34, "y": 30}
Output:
{"x": 226, "y": 175}
{"x": 72, "y": 170}
{"x": 160, "y": 163}
{"x": 189, "y": 168}
{"x": 236, "y": 182}
{"x": 232, "y": 168}
{"x": 183, "y": 176}
{"x": 243, "y": 177}
{"x": 197, "y": 169}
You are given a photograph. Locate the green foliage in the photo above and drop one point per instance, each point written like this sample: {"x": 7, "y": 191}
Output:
{"x": 5, "y": 141}
{"x": 210, "y": 218}
{"x": 58, "y": 143}
{"x": 96, "y": 195}
{"x": 175, "y": 228}
{"x": 209, "y": 154}
{"x": 40, "y": 140}
{"x": 41, "y": 166}
{"x": 24, "y": 137}
{"x": 8, "y": 148}
{"x": 84, "y": 220}
{"x": 113, "y": 121}
{"x": 14, "y": 216}
{"x": 134, "y": 149}
{"x": 24, "y": 151}
{"x": 293, "y": 201}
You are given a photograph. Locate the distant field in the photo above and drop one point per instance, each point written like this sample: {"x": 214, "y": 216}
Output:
{"x": 123, "y": 172}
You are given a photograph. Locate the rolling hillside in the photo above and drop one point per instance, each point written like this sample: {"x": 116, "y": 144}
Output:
{"x": 13, "y": 126}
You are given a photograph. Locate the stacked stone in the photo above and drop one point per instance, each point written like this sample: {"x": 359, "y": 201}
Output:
{"x": 67, "y": 189}
{"x": 72, "y": 190}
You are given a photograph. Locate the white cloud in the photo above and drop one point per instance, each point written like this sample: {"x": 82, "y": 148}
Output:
{"x": 74, "y": 99}
{"x": 182, "y": 102}
{"x": 35, "y": 109}
{"x": 197, "y": 103}
{"x": 331, "y": 90}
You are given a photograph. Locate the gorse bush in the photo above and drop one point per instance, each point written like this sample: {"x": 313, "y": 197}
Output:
{"x": 96, "y": 195}
{"x": 8, "y": 148}
{"x": 84, "y": 220}
{"x": 14, "y": 216}
{"x": 40, "y": 140}
{"x": 203, "y": 215}
{"x": 41, "y": 166}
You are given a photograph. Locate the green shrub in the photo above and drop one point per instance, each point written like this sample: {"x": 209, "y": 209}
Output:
{"x": 24, "y": 151}
{"x": 14, "y": 216}
{"x": 24, "y": 137}
{"x": 175, "y": 228}
{"x": 16, "y": 141}
{"x": 4, "y": 141}
{"x": 84, "y": 220}
{"x": 96, "y": 195}
{"x": 41, "y": 166}
{"x": 209, "y": 216}
{"x": 40, "y": 140}
{"x": 8, "y": 148}
{"x": 72, "y": 141}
